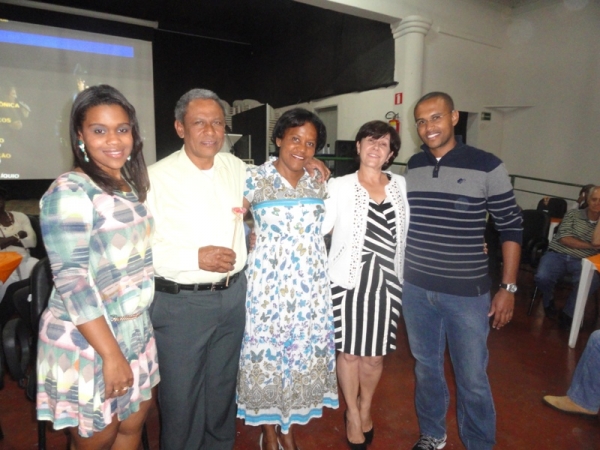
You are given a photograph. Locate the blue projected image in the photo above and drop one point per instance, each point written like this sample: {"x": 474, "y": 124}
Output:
{"x": 76, "y": 45}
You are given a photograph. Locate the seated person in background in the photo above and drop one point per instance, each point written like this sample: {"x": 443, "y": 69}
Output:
{"x": 571, "y": 243}
{"x": 583, "y": 397}
{"x": 16, "y": 235}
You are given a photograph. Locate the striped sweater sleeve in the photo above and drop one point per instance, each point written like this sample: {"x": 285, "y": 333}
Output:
{"x": 501, "y": 204}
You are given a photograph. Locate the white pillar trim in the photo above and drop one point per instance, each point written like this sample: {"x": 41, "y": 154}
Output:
{"x": 409, "y": 36}
{"x": 411, "y": 24}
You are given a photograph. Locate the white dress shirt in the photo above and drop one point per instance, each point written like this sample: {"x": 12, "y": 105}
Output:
{"x": 192, "y": 208}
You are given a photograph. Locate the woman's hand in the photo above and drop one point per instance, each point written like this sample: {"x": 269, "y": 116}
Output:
{"x": 118, "y": 377}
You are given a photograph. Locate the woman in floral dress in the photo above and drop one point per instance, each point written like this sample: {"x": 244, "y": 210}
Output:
{"x": 97, "y": 361}
{"x": 287, "y": 364}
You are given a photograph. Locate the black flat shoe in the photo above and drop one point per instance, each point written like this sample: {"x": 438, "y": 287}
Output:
{"x": 369, "y": 435}
{"x": 352, "y": 445}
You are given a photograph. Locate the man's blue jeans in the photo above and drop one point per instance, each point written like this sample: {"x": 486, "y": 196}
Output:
{"x": 432, "y": 318}
{"x": 585, "y": 386}
{"x": 553, "y": 266}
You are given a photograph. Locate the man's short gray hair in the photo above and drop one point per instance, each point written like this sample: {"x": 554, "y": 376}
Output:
{"x": 591, "y": 191}
{"x": 195, "y": 94}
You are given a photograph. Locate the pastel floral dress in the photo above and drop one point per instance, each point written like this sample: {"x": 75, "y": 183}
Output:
{"x": 287, "y": 364}
{"x": 101, "y": 260}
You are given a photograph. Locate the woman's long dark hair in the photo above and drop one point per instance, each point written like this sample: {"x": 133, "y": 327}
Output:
{"x": 134, "y": 171}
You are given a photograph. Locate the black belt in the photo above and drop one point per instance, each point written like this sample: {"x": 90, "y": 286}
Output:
{"x": 171, "y": 287}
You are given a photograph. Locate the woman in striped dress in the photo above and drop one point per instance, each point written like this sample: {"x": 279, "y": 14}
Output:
{"x": 368, "y": 212}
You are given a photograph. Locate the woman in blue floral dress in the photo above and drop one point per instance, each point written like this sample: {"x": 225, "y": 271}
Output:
{"x": 287, "y": 365}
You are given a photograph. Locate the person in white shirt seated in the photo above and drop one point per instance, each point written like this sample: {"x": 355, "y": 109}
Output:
{"x": 16, "y": 235}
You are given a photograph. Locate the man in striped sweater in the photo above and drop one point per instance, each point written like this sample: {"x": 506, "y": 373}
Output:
{"x": 451, "y": 188}
{"x": 571, "y": 243}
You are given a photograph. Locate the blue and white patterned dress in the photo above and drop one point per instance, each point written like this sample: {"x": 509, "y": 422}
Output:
{"x": 287, "y": 364}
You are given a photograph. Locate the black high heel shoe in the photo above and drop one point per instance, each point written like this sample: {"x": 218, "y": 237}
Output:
{"x": 369, "y": 435}
{"x": 352, "y": 445}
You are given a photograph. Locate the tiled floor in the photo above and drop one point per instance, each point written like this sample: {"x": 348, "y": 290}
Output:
{"x": 529, "y": 358}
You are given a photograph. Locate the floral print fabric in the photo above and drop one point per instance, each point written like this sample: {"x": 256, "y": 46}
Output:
{"x": 287, "y": 364}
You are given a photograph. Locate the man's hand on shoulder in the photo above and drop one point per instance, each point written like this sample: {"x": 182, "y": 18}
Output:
{"x": 216, "y": 259}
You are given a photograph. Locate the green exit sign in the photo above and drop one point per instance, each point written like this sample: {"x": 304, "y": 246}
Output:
{"x": 486, "y": 116}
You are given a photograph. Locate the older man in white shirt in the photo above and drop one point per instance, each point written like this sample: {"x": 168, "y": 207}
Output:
{"x": 198, "y": 319}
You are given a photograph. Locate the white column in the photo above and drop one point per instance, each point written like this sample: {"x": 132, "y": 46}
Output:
{"x": 409, "y": 35}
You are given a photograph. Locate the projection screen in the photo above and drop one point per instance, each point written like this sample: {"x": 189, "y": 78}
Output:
{"x": 42, "y": 69}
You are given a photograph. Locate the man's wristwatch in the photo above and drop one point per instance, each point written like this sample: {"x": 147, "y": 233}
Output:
{"x": 510, "y": 287}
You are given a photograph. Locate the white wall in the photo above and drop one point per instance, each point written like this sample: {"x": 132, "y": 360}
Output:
{"x": 353, "y": 109}
{"x": 553, "y": 64}
{"x": 472, "y": 74}
{"x": 544, "y": 59}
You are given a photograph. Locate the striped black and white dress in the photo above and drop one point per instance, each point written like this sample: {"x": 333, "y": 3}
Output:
{"x": 366, "y": 317}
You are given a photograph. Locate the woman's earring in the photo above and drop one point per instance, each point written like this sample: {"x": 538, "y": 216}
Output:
{"x": 81, "y": 146}
{"x": 129, "y": 158}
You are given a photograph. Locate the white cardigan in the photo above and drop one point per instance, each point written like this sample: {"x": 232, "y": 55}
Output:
{"x": 346, "y": 212}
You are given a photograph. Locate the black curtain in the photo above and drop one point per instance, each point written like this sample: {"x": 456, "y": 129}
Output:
{"x": 314, "y": 53}
{"x": 183, "y": 62}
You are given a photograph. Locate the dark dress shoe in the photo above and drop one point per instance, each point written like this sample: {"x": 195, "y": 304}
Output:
{"x": 352, "y": 445}
{"x": 369, "y": 435}
{"x": 564, "y": 321}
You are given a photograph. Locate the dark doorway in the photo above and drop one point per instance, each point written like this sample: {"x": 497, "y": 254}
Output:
{"x": 460, "y": 129}
{"x": 346, "y": 149}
